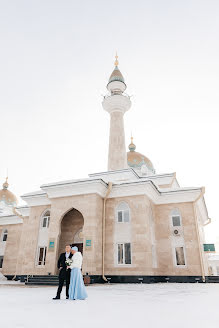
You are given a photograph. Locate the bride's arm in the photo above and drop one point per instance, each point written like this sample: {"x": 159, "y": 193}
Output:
{"x": 72, "y": 264}
{"x": 77, "y": 261}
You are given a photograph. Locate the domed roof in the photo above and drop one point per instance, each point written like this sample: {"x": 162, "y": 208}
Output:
{"x": 6, "y": 195}
{"x": 136, "y": 160}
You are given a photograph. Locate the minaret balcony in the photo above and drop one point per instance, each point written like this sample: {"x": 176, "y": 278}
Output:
{"x": 116, "y": 102}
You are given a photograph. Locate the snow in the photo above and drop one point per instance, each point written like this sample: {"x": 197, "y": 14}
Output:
{"x": 128, "y": 305}
{"x": 10, "y": 282}
{"x": 2, "y": 278}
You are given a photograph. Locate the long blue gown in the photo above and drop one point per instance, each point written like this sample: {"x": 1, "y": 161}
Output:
{"x": 77, "y": 289}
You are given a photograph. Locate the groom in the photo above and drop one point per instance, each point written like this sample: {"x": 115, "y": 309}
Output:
{"x": 64, "y": 273}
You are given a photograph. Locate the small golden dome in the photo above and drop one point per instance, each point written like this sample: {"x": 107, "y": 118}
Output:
{"x": 136, "y": 160}
{"x": 132, "y": 146}
{"x": 6, "y": 195}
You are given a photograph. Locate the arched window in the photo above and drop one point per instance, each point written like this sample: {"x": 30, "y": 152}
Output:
{"x": 5, "y": 235}
{"x": 176, "y": 218}
{"x": 122, "y": 213}
{"x": 45, "y": 220}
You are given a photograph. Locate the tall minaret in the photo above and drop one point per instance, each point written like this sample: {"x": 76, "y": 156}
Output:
{"x": 116, "y": 104}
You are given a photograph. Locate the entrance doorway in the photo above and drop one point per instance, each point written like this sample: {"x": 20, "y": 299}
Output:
{"x": 79, "y": 246}
{"x": 71, "y": 230}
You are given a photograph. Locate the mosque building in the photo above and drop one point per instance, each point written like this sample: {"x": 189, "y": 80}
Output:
{"x": 131, "y": 223}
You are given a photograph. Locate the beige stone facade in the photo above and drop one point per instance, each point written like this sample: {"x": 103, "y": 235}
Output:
{"x": 149, "y": 228}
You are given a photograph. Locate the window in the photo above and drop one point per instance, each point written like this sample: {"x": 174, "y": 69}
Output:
{"x": 176, "y": 221}
{"x": 5, "y": 235}
{"x": 180, "y": 256}
{"x": 124, "y": 253}
{"x": 45, "y": 220}
{"x": 42, "y": 256}
{"x": 123, "y": 213}
{"x": 1, "y": 261}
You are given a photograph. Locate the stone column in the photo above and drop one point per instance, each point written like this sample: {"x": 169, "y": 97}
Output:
{"x": 117, "y": 158}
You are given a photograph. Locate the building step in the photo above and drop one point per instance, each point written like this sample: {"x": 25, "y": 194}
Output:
{"x": 212, "y": 279}
{"x": 45, "y": 276}
{"x": 41, "y": 283}
{"x": 43, "y": 280}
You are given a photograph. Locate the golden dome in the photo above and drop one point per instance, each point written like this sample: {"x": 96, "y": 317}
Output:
{"x": 136, "y": 160}
{"x": 6, "y": 195}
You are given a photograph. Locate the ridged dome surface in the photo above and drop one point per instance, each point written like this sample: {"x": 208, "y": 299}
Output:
{"x": 136, "y": 160}
{"x": 7, "y": 196}
{"x": 116, "y": 76}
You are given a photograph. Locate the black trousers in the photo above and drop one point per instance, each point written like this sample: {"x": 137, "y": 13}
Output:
{"x": 64, "y": 275}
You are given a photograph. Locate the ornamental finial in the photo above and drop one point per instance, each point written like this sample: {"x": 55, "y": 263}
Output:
{"x": 116, "y": 61}
{"x": 132, "y": 146}
{"x": 5, "y": 185}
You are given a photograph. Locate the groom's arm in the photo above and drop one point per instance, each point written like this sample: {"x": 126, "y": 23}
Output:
{"x": 59, "y": 262}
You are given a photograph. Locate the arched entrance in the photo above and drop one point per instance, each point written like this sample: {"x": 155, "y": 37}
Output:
{"x": 71, "y": 230}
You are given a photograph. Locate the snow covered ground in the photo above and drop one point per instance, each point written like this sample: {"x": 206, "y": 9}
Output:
{"x": 152, "y": 306}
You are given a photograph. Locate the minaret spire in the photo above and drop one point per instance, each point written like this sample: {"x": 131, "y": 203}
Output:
{"x": 116, "y": 104}
{"x": 116, "y": 61}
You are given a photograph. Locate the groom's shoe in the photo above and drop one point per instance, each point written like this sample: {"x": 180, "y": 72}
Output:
{"x": 56, "y": 298}
{"x": 67, "y": 297}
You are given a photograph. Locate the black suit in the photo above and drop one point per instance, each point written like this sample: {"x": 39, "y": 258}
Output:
{"x": 64, "y": 274}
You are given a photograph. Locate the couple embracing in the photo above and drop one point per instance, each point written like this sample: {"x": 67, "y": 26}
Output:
{"x": 69, "y": 265}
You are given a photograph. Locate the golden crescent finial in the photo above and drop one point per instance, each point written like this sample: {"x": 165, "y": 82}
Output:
{"x": 116, "y": 61}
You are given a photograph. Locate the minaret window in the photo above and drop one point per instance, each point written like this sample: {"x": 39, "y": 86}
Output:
{"x": 123, "y": 213}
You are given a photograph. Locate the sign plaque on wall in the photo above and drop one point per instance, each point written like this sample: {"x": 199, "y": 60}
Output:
{"x": 51, "y": 244}
{"x": 88, "y": 243}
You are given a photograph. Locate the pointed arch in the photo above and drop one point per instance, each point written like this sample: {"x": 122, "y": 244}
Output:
{"x": 123, "y": 214}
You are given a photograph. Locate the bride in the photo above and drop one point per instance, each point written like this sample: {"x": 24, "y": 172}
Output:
{"x": 77, "y": 289}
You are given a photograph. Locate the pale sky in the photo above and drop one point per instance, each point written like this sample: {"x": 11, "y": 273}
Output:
{"x": 55, "y": 60}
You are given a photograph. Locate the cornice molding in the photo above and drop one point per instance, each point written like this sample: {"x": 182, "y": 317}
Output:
{"x": 10, "y": 219}
{"x": 23, "y": 211}
{"x": 120, "y": 189}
